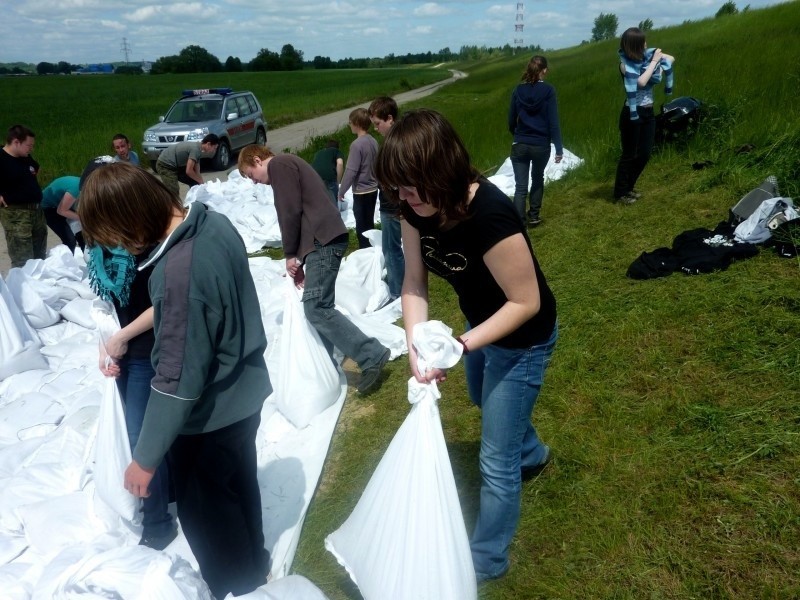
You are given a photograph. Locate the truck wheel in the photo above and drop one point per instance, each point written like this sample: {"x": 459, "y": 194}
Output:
{"x": 223, "y": 157}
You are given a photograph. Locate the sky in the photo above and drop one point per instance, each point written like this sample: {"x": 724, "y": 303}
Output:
{"x": 92, "y": 31}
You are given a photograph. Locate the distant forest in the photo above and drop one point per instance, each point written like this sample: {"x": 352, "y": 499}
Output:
{"x": 196, "y": 59}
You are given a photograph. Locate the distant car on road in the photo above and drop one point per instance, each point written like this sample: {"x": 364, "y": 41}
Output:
{"x": 236, "y": 117}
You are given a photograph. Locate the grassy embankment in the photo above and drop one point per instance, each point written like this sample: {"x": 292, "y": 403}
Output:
{"x": 671, "y": 404}
{"x": 75, "y": 117}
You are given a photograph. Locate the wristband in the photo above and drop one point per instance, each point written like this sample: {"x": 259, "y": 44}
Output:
{"x": 463, "y": 345}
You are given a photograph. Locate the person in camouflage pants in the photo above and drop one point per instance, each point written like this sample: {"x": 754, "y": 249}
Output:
{"x": 21, "y": 212}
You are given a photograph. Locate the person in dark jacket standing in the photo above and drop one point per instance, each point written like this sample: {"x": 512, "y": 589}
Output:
{"x": 211, "y": 378}
{"x": 533, "y": 121}
{"x": 20, "y": 198}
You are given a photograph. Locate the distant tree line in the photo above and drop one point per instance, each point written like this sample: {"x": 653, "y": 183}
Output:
{"x": 64, "y": 68}
{"x": 13, "y": 71}
{"x": 195, "y": 59}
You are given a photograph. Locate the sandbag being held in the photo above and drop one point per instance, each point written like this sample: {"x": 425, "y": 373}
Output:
{"x": 406, "y": 536}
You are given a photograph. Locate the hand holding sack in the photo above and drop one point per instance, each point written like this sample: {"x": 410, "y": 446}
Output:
{"x": 406, "y": 536}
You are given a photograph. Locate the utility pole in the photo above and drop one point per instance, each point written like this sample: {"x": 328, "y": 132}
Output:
{"x": 126, "y": 49}
{"x": 519, "y": 26}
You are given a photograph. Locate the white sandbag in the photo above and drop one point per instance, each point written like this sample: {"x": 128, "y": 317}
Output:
{"x": 113, "y": 455}
{"x": 27, "y": 411}
{"x": 11, "y": 546}
{"x": 12, "y": 455}
{"x": 360, "y": 287}
{"x": 56, "y": 523}
{"x": 26, "y": 357}
{"x": 20, "y": 384}
{"x": 388, "y": 334}
{"x": 55, "y": 467}
{"x": 307, "y": 381}
{"x": 406, "y": 536}
{"x": 78, "y": 311}
{"x": 291, "y": 587}
{"x": 14, "y": 320}
{"x": 58, "y": 332}
{"x": 105, "y": 568}
{"x": 62, "y": 264}
{"x": 32, "y": 306}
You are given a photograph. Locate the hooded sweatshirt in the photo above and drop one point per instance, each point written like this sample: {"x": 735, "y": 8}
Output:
{"x": 533, "y": 115}
{"x": 210, "y": 341}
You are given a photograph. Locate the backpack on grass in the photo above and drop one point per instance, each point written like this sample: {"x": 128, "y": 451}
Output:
{"x": 678, "y": 118}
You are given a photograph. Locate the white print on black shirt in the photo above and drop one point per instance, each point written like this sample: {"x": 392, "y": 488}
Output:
{"x": 440, "y": 263}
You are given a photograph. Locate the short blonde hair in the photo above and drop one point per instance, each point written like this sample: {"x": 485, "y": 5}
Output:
{"x": 249, "y": 154}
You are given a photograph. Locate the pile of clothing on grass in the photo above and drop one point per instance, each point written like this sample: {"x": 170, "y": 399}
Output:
{"x": 761, "y": 218}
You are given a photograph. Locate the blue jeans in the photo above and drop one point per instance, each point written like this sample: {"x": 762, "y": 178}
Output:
{"x": 525, "y": 157}
{"x": 134, "y": 388}
{"x": 333, "y": 188}
{"x": 504, "y": 383}
{"x": 319, "y": 305}
{"x": 392, "y": 253}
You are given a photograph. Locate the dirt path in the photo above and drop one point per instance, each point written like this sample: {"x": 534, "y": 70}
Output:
{"x": 291, "y": 138}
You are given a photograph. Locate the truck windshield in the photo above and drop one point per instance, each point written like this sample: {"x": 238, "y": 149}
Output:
{"x": 194, "y": 111}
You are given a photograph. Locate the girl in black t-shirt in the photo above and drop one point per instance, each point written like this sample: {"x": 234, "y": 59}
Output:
{"x": 459, "y": 226}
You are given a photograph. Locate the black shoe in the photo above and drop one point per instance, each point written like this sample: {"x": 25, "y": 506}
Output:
{"x": 158, "y": 542}
{"x": 371, "y": 378}
{"x": 534, "y": 222}
{"x": 529, "y": 473}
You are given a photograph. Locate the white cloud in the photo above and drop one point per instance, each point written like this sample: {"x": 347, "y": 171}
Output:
{"x": 431, "y": 9}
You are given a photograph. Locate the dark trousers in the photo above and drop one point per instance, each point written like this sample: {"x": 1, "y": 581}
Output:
{"x": 637, "y": 144}
{"x": 526, "y": 158}
{"x": 60, "y": 227}
{"x": 219, "y": 505}
{"x": 364, "y": 214}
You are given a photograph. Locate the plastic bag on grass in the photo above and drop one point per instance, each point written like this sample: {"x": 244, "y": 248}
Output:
{"x": 308, "y": 381}
{"x": 406, "y": 536}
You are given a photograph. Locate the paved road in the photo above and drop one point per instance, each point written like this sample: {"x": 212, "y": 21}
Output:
{"x": 291, "y": 138}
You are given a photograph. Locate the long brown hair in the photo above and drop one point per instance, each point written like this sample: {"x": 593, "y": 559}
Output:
{"x": 123, "y": 205}
{"x": 533, "y": 72}
{"x": 423, "y": 150}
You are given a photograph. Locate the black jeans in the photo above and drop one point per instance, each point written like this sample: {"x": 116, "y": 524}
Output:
{"x": 364, "y": 213}
{"x": 60, "y": 227}
{"x": 219, "y": 505}
{"x": 637, "y": 144}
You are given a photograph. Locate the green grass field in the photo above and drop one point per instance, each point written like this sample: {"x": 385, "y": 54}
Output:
{"x": 671, "y": 404}
{"x": 75, "y": 117}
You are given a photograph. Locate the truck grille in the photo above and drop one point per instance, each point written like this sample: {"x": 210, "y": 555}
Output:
{"x": 171, "y": 138}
